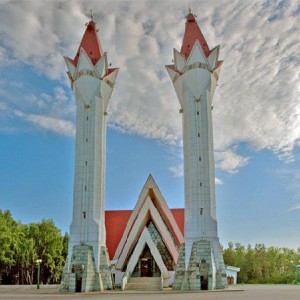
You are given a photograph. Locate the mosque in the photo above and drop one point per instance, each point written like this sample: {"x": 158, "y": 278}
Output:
{"x": 151, "y": 246}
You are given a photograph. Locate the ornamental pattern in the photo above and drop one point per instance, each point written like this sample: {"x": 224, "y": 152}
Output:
{"x": 158, "y": 241}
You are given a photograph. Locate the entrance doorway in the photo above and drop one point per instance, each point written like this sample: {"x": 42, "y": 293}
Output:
{"x": 204, "y": 275}
{"x": 78, "y": 283}
{"x": 78, "y": 270}
{"x": 146, "y": 267}
{"x": 204, "y": 283}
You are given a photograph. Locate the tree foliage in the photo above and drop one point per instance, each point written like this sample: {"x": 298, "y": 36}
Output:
{"x": 22, "y": 244}
{"x": 260, "y": 264}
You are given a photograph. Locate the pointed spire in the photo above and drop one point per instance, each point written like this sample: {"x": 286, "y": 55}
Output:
{"x": 90, "y": 42}
{"x": 191, "y": 34}
{"x": 91, "y": 15}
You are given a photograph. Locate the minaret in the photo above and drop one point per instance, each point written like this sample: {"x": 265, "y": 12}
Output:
{"x": 195, "y": 74}
{"x": 92, "y": 82}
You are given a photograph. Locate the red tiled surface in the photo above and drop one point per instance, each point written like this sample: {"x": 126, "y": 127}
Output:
{"x": 116, "y": 221}
{"x": 91, "y": 44}
{"x": 191, "y": 34}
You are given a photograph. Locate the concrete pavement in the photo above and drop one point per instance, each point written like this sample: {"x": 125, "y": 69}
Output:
{"x": 247, "y": 292}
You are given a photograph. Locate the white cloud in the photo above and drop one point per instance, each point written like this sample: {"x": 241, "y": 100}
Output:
{"x": 295, "y": 207}
{"x": 257, "y": 99}
{"x": 229, "y": 161}
{"x": 3, "y": 56}
{"x": 218, "y": 181}
{"x": 54, "y": 112}
{"x": 177, "y": 170}
{"x": 59, "y": 126}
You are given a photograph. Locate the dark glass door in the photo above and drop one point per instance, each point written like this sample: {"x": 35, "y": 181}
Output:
{"x": 78, "y": 283}
{"x": 150, "y": 267}
{"x": 144, "y": 268}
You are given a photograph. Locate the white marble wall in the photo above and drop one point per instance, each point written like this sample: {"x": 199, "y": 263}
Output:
{"x": 200, "y": 212}
{"x": 88, "y": 208}
{"x": 194, "y": 80}
{"x": 92, "y": 91}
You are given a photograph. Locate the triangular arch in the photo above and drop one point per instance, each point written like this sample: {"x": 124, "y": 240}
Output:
{"x": 151, "y": 192}
{"x": 147, "y": 211}
{"x": 144, "y": 239}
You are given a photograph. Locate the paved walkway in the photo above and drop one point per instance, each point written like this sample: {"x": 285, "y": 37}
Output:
{"x": 247, "y": 292}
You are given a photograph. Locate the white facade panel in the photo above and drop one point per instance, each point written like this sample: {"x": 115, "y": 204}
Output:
{"x": 87, "y": 226}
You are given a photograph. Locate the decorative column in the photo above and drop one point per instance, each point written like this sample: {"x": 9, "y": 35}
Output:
{"x": 194, "y": 75}
{"x": 92, "y": 82}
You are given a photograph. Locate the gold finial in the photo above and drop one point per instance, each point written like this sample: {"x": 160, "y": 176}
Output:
{"x": 91, "y": 15}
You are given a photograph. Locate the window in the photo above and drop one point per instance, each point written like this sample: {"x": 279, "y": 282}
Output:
{"x": 201, "y": 211}
{"x": 198, "y": 113}
{"x": 200, "y": 183}
{"x": 84, "y": 214}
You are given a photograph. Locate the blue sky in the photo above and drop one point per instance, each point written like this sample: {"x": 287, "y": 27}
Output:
{"x": 256, "y": 109}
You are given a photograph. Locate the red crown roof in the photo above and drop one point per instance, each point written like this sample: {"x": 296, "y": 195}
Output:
{"x": 191, "y": 34}
{"x": 116, "y": 221}
{"x": 90, "y": 43}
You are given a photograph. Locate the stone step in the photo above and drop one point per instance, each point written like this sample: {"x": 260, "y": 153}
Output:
{"x": 144, "y": 279}
{"x": 144, "y": 284}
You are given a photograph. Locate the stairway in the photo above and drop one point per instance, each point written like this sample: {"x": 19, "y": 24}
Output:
{"x": 144, "y": 284}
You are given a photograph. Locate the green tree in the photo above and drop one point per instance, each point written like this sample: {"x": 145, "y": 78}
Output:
{"x": 48, "y": 244}
{"x": 21, "y": 245}
{"x": 11, "y": 240}
{"x": 261, "y": 264}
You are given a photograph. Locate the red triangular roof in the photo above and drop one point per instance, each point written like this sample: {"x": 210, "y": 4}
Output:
{"x": 191, "y": 34}
{"x": 116, "y": 221}
{"x": 90, "y": 43}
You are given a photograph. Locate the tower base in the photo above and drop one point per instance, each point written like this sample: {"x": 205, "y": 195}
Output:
{"x": 202, "y": 272}
{"x": 82, "y": 275}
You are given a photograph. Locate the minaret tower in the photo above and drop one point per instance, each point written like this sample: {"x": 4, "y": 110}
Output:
{"x": 195, "y": 74}
{"x": 92, "y": 82}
